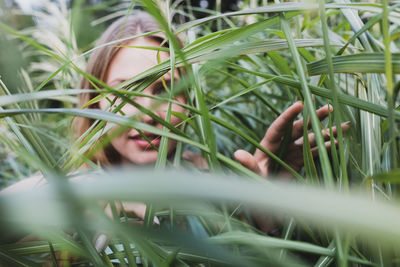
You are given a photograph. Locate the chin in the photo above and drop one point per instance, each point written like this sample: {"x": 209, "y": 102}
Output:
{"x": 147, "y": 159}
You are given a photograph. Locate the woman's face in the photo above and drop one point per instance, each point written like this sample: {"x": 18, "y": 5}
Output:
{"x": 127, "y": 63}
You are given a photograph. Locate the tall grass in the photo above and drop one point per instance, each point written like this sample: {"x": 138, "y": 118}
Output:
{"x": 242, "y": 69}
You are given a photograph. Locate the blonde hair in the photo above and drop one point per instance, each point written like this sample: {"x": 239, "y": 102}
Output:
{"x": 137, "y": 23}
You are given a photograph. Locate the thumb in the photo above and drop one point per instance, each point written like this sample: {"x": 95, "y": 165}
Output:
{"x": 101, "y": 241}
{"x": 247, "y": 160}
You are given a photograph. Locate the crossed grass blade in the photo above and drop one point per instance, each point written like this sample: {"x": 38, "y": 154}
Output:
{"x": 346, "y": 100}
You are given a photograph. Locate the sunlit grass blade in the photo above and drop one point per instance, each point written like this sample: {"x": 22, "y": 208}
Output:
{"x": 356, "y": 63}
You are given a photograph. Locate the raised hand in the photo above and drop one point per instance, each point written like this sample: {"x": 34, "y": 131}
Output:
{"x": 260, "y": 162}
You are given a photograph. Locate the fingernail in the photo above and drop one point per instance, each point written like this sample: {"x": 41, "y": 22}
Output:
{"x": 101, "y": 242}
{"x": 347, "y": 123}
{"x": 299, "y": 141}
{"x": 329, "y": 106}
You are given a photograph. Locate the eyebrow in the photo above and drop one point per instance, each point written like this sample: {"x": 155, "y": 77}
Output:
{"x": 157, "y": 83}
{"x": 116, "y": 81}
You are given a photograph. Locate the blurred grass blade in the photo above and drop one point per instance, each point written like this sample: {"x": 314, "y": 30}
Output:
{"x": 9, "y": 259}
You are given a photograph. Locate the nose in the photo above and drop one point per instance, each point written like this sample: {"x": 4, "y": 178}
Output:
{"x": 147, "y": 103}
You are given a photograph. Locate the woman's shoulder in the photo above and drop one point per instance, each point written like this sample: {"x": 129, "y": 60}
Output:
{"x": 38, "y": 180}
{"x": 25, "y": 185}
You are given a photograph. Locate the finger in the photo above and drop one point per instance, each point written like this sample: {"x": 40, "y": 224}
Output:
{"x": 276, "y": 131}
{"x": 135, "y": 209}
{"x": 322, "y": 113}
{"x": 313, "y": 141}
{"x": 247, "y": 160}
{"x": 346, "y": 126}
{"x": 328, "y": 145}
{"x": 325, "y": 134}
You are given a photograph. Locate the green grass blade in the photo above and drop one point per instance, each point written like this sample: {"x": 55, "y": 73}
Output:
{"x": 356, "y": 63}
{"x": 337, "y": 108}
{"x": 323, "y": 155}
{"x": 389, "y": 84}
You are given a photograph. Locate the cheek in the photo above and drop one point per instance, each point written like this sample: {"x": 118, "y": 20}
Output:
{"x": 102, "y": 104}
{"x": 127, "y": 109}
{"x": 179, "y": 109}
{"x": 117, "y": 141}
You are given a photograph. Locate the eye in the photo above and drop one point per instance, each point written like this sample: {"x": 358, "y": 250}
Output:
{"x": 159, "y": 88}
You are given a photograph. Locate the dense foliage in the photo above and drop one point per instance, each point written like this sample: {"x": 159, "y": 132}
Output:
{"x": 243, "y": 67}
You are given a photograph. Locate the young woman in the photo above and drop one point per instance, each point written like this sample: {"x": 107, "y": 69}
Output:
{"x": 117, "y": 63}
{"x": 114, "y": 65}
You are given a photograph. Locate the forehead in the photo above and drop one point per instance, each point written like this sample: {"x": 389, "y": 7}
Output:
{"x": 129, "y": 62}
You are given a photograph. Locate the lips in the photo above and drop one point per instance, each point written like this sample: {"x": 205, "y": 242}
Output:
{"x": 142, "y": 143}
